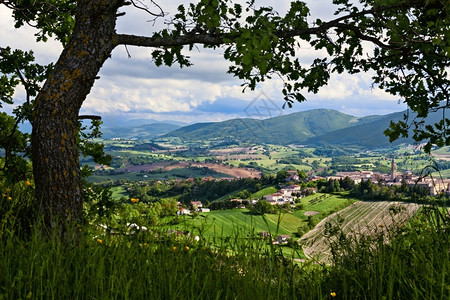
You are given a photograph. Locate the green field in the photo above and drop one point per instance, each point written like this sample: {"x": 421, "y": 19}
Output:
{"x": 228, "y": 222}
{"x": 265, "y": 191}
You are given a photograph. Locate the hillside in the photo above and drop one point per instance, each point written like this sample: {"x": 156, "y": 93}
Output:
{"x": 366, "y": 135}
{"x": 313, "y": 127}
{"x": 282, "y": 130}
{"x": 369, "y": 134}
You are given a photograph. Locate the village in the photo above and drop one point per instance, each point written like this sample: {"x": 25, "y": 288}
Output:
{"x": 434, "y": 186}
{"x": 289, "y": 194}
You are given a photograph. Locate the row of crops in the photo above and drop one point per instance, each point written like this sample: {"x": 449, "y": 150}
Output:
{"x": 360, "y": 218}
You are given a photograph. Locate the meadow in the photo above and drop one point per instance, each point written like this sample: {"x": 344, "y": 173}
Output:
{"x": 223, "y": 257}
{"x": 228, "y": 222}
{"x": 153, "y": 264}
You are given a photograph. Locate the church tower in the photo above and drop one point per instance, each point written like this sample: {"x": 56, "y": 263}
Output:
{"x": 393, "y": 170}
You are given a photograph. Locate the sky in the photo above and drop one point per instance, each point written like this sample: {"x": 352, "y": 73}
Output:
{"x": 134, "y": 88}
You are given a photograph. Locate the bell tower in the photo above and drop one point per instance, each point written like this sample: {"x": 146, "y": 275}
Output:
{"x": 393, "y": 170}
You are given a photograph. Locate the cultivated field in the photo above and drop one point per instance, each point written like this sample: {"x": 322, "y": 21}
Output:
{"x": 167, "y": 166}
{"x": 360, "y": 218}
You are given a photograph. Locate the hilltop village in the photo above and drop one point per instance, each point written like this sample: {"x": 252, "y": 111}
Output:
{"x": 435, "y": 186}
{"x": 432, "y": 186}
{"x": 290, "y": 194}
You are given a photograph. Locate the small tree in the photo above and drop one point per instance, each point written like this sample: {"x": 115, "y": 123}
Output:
{"x": 262, "y": 207}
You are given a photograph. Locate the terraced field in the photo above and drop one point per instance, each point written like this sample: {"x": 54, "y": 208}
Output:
{"x": 360, "y": 218}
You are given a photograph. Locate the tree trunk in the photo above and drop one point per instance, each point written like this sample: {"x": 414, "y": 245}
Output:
{"x": 55, "y": 121}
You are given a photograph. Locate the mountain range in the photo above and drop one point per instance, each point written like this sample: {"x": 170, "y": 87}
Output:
{"x": 313, "y": 127}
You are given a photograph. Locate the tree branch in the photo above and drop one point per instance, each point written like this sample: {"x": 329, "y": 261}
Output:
{"x": 218, "y": 39}
{"x": 89, "y": 117}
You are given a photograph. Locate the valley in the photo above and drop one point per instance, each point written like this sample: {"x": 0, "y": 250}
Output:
{"x": 208, "y": 164}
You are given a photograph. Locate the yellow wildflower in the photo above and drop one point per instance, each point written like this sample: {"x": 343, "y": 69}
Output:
{"x": 186, "y": 248}
{"x": 333, "y": 294}
{"x": 174, "y": 248}
{"x": 99, "y": 241}
{"x": 28, "y": 183}
{"x": 134, "y": 200}
{"x": 9, "y": 198}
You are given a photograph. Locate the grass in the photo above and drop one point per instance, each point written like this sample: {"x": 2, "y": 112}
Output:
{"x": 265, "y": 191}
{"x": 415, "y": 264}
{"x": 122, "y": 268}
{"x": 226, "y": 223}
{"x": 325, "y": 203}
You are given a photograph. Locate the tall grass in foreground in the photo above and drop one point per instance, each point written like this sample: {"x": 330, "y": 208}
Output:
{"x": 140, "y": 268}
{"x": 410, "y": 262}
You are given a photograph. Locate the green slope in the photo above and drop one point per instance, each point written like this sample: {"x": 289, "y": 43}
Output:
{"x": 369, "y": 134}
{"x": 313, "y": 127}
{"x": 366, "y": 135}
{"x": 282, "y": 130}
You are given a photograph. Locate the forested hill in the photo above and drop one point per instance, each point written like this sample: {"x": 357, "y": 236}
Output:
{"x": 314, "y": 127}
{"x": 367, "y": 135}
{"x": 285, "y": 129}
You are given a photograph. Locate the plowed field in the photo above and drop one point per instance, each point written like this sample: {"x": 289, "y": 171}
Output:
{"x": 360, "y": 218}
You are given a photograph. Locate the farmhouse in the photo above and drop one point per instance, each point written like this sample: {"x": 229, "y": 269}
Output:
{"x": 292, "y": 189}
{"x": 275, "y": 199}
{"x": 183, "y": 211}
{"x": 203, "y": 209}
{"x": 196, "y": 204}
{"x": 293, "y": 176}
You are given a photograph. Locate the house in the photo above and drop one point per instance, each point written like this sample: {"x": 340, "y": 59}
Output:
{"x": 281, "y": 239}
{"x": 203, "y": 209}
{"x": 292, "y": 189}
{"x": 274, "y": 198}
{"x": 183, "y": 211}
{"x": 236, "y": 200}
{"x": 293, "y": 177}
{"x": 196, "y": 204}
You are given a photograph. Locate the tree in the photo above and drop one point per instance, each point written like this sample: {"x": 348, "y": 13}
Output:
{"x": 262, "y": 207}
{"x": 244, "y": 194}
{"x": 410, "y": 58}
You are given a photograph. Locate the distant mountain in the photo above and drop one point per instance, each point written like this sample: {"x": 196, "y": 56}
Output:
{"x": 314, "y": 127}
{"x": 299, "y": 127}
{"x": 371, "y": 134}
{"x": 282, "y": 130}
{"x": 147, "y": 131}
{"x": 366, "y": 135}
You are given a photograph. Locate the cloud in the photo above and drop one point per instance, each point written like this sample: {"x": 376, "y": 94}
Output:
{"x": 208, "y": 65}
{"x": 23, "y": 38}
{"x": 149, "y": 95}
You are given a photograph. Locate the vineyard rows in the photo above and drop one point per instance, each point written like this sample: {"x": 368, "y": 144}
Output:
{"x": 360, "y": 218}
